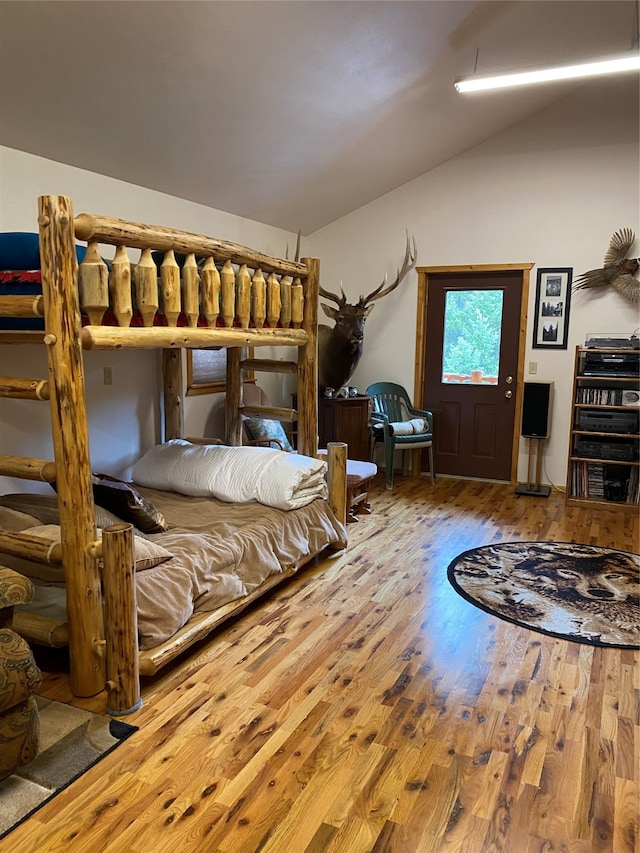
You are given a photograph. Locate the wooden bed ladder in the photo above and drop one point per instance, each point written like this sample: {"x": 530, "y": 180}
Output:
{"x": 35, "y": 628}
{"x": 305, "y": 367}
{"x": 92, "y": 665}
{"x": 265, "y": 365}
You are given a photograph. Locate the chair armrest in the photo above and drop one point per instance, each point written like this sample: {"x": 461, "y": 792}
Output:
{"x": 14, "y": 588}
{"x": 422, "y": 413}
{"x": 378, "y": 418}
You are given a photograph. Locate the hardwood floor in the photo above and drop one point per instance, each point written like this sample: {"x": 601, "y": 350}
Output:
{"x": 368, "y": 707}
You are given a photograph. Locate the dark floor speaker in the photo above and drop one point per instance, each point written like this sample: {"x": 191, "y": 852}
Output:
{"x": 536, "y": 409}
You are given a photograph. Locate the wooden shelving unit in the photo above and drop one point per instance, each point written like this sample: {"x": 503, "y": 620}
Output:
{"x": 604, "y": 440}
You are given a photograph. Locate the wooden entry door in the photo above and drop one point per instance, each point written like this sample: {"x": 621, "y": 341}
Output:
{"x": 475, "y": 396}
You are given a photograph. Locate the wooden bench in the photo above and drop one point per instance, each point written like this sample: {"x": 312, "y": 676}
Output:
{"x": 359, "y": 476}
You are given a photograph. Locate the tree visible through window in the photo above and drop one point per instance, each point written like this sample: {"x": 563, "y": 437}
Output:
{"x": 472, "y": 330}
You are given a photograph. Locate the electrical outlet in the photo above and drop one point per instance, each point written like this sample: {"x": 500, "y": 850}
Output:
{"x": 107, "y": 376}
{"x": 533, "y": 367}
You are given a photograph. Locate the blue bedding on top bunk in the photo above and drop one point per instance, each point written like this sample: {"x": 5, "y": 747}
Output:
{"x": 20, "y": 250}
{"x": 20, "y": 274}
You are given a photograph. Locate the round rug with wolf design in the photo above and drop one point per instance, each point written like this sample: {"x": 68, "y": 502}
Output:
{"x": 576, "y": 592}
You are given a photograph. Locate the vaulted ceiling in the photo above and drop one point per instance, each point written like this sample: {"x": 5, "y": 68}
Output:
{"x": 289, "y": 113}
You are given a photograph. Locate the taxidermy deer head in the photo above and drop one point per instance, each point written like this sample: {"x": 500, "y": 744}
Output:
{"x": 340, "y": 348}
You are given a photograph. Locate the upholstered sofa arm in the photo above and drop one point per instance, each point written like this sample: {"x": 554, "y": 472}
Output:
{"x": 14, "y": 588}
{"x": 20, "y": 676}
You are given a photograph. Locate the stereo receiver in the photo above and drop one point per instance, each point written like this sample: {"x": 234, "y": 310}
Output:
{"x": 611, "y": 363}
{"x": 601, "y": 421}
{"x": 616, "y": 452}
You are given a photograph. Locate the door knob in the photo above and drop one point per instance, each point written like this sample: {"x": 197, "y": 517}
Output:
{"x": 509, "y": 380}
{"x": 508, "y": 394}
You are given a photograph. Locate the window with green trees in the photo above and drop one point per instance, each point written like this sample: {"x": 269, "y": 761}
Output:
{"x": 472, "y": 327}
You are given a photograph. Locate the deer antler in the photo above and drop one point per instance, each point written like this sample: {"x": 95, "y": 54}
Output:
{"x": 339, "y": 300}
{"x": 297, "y": 256}
{"x": 410, "y": 256}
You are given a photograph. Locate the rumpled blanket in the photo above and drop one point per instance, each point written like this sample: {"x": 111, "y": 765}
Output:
{"x": 233, "y": 474}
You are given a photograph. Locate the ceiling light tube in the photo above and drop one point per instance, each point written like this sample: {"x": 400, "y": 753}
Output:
{"x": 544, "y": 75}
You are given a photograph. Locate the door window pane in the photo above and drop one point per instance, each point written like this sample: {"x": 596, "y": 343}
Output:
{"x": 472, "y": 331}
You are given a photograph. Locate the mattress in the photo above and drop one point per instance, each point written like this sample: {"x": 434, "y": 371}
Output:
{"x": 220, "y": 553}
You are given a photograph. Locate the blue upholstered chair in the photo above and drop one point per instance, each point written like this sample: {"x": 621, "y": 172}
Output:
{"x": 398, "y": 425}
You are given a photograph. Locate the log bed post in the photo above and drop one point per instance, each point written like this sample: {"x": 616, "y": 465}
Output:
{"x": 173, "y": 393}
{"x": 337, "y": 462}
{"x": 308, "y": 365}
{"x": 123, "y": 672}
{"x": 71, "y": 443}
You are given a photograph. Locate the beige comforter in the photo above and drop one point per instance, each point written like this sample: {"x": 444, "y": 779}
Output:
{"x": 221, "y": 552}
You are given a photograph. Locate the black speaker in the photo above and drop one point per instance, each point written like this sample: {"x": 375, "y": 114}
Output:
{"x": 536, "y": 409}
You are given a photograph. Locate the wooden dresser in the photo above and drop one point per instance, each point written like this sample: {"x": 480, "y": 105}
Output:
{"x": 346, "y": 419}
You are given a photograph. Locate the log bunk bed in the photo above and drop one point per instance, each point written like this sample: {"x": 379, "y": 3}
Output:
{"x": 218, "y": 297}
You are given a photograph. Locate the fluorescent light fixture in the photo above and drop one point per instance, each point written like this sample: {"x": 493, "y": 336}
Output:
{"x": 544, "y": 75}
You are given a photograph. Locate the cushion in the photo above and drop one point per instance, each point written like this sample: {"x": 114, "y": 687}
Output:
{"x": 263, "y": 429}
{"x": 44, "y": 510}
{"x": 20, "y": 250}
{"x": 15, "y": 589}
{"x": 147, "y": 555}
{"x": 359, "y": 471}
{"x": 125, "y": 501}
{"x": 20, "y": 680}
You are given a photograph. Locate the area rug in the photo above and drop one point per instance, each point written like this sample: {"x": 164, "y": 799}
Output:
{"x": 71, "y": 741}
{"x": 576, "y": 592}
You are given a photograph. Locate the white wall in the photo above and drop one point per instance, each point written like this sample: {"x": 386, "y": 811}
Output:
{"x": 126, "y": 417}
{"x": 550, "y": 191}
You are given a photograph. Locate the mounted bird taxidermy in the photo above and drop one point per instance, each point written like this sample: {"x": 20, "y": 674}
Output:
{"x": 618, "y": 270}
{"x": 340, "y": 348}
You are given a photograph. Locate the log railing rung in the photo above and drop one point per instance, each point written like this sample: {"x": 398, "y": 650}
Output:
{"x": 23, "y": 336}
{"x": 30, "y": 547}
{"x": 103, "y": 229}
{"x": 27, "y": 468}
{"x": 24, "y": 389}
{"x": 113, "y": 337}
{"x": 269, "y": 365}
{"x": 272, "y": 412}
{"x": 22, "y": 306}
{"x": 40, "y": 629}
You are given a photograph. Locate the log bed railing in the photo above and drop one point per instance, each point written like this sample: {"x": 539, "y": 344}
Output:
{"x": 223, "y": 295}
